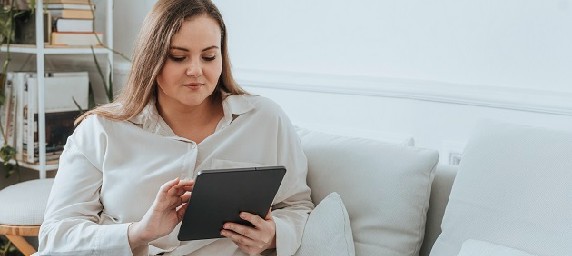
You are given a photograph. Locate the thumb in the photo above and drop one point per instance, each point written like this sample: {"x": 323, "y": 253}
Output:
{"x": 269, "y": 214}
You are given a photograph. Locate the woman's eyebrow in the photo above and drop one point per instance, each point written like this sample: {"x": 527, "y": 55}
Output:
{"x": 187, "y": 50}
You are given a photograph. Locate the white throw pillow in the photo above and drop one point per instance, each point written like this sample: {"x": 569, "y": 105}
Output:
{"x": 385, "y": 188}
{"x": 473, "y": 247}
{"x": 513, "y": 187}
{"x": 328, "y": 230}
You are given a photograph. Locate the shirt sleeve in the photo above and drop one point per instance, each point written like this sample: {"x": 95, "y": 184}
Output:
{"x": 293, "y": 206}
{"x": 71, "y": 221}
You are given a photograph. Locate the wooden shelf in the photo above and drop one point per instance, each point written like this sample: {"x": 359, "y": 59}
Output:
{"x": 54, "y": 49}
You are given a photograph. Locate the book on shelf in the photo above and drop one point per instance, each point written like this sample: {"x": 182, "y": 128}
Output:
{"x": 73, "y": 25}
{"x": 61, "y": 89}
{"x": 70, "y": 14}
{"x": 25, "y": 27}
{"x": 77, "y": 6}
{"x": 59, "y": 126}
{"x": 60, "y": 38}
{"x": 12, "y": 111}
{"x": 19, "y": 84}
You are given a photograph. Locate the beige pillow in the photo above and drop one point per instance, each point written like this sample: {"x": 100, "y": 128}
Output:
{"x": 385, "y": 188}
{"x": 328, "y": 230}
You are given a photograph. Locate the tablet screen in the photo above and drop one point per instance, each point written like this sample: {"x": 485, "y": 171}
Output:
{"x": 220, "y": 195}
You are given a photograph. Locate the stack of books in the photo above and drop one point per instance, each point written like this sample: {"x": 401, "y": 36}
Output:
{"x": 72, "y": 22}
{"x": 19, "y": 114}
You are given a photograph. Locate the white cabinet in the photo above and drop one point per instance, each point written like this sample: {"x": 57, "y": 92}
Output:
{"x": 40, "y": 50}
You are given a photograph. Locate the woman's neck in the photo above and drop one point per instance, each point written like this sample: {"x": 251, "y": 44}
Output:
{"x": 192, "y": 122}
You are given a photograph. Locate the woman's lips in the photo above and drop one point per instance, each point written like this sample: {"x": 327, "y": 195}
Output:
{"x": 193, "y": 85}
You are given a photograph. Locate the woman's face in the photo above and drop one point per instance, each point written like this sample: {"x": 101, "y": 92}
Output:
{"x": 193, "y": 65}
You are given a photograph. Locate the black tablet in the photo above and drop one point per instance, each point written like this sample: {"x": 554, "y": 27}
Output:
{"x": 219, "y": 196}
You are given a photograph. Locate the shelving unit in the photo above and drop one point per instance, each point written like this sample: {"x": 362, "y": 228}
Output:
{"x": 40, "y": 49}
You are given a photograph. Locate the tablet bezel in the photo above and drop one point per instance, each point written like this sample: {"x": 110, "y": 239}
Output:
{"x": 219, "y": 195}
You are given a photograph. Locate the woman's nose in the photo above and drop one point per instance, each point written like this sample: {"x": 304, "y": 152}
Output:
{"x": 194, "y": 69}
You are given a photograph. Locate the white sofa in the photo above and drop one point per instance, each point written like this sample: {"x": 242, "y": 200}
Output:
{"x": 511, "y": 195}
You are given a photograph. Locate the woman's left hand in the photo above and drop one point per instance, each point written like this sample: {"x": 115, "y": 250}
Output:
{"x": 252, "y": 240}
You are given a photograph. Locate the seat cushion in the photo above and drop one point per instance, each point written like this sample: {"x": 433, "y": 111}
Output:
{"x": 513, "y": 188}
{"x": 25, "y": 202}
{"x": 385, "y": 188}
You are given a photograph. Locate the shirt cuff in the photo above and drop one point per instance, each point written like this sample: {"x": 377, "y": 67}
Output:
{"x": 115, "y": 237}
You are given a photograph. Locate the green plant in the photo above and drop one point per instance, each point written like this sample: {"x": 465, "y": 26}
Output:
{"x": 7, "y": 248}
{"x": 8, "y": 12}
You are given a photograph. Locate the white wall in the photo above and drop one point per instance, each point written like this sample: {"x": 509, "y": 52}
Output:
{"x": 513, "y": 43}
{"x": 127, "y": 19}
{"x": 426, "y": 69}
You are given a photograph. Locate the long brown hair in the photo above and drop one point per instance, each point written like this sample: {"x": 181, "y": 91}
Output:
{"x": 149, "y": 54}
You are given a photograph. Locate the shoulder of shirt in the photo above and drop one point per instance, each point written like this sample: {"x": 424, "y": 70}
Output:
{"x": 263, "y": 105}
{"x": 94, "y": 122}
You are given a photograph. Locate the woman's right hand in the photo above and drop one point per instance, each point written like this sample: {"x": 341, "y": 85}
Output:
{"x": 166, "y": 212}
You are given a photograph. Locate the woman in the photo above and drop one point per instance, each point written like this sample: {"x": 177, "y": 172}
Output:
{"x": 128, "y": 168}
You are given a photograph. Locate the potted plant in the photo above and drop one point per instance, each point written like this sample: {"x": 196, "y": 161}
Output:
{"x": 9, "y": 11}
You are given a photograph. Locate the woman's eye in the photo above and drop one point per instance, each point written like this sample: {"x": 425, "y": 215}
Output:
{"x": 209, "y": 58}
{"x": 176, "y": 58}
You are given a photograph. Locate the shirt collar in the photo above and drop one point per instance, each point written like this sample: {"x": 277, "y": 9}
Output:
{"x": 150, "y": 120}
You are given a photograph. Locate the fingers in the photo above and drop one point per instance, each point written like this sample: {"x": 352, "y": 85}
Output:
{"x": 252, "y": 218}
{"x": 174, "y": 193}
{"x": 239, "y": 238}
{"x": 181, "y": 187}
{"x": 186, "y": 196}
{"x": 181, "y": 211}
{"x": 165, "y": 188}
{"x": 261, "y": 234}
{"x": 268, "y": 215}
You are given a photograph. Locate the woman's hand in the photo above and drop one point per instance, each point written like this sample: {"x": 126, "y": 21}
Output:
{"x": 166, "y": 212}
{"x": 252, "y": 240}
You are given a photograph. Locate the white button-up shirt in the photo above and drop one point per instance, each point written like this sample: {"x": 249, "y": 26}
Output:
{"x": 110, "y": 173}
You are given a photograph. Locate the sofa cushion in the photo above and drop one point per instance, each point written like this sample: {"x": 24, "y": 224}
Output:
{"x": 440, "y": 190}
{"x": 26, "y": 202}
{"x": 328, "y": 230}
{"x": 513, "y": 187}
{"x": 479, "y": 248}
{"x": 385, "y": 188}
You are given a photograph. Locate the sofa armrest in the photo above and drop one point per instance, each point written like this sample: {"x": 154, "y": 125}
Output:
{"x": 440, "y": 190}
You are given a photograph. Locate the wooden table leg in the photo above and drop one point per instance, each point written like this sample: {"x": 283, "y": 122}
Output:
{"x": 22, "y": 244}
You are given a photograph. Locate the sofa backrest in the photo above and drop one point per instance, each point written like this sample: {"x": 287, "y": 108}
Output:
{"x": 512, "y": 191}
{"x": 440, "y": 190}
